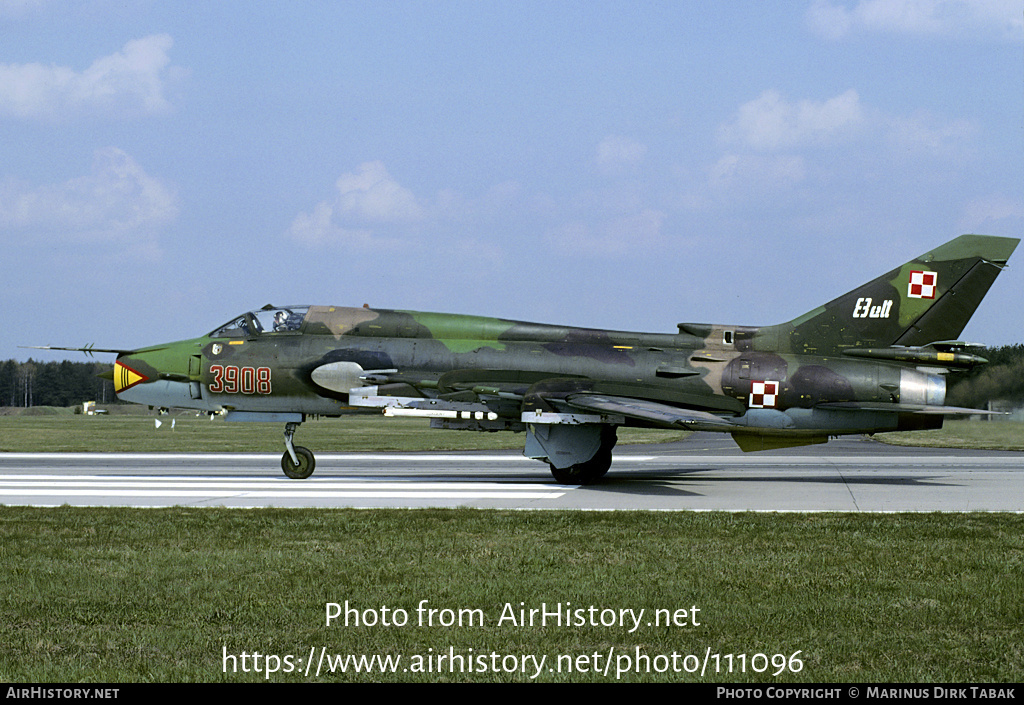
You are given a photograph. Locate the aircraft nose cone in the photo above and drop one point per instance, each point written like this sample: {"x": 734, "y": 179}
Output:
{"x": 158, "y": 377}
{"x": 125, "y": 377}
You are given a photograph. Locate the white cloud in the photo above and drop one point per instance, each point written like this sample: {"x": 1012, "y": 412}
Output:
{"x": 773, "y": 144}
{"x": 318, "y": 228}
{"x": 365, "y": 200}
{"x": 370, "y": 194}
{"x": 987, "y": 212}
{"x": 130, "y": 83}
{"x": 756, "y": 172}
{"x": 116, "y": 202}
{"x": 1001, "y": 19}
{"x": 771, "y": 123}
{"x": 615, "y": 153}
{"x": 624, "y": 235}
{"x": 926, "y": 134}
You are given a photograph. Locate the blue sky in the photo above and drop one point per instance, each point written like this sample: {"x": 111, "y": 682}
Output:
{"x": 165, "y": 166}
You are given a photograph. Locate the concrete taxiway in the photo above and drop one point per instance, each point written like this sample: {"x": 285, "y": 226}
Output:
{"x": 705, "y": 472}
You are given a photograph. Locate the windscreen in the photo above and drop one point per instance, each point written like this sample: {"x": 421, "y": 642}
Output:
{"x": 268, "y": 320}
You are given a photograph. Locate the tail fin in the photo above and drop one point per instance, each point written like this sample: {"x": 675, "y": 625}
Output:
{"x": 930, "y": 298}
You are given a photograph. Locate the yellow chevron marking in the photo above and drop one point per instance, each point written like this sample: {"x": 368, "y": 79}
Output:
{"x": 125, "y": 377}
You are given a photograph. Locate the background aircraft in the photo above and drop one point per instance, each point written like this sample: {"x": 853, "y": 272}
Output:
{"x": 871, "y": 360}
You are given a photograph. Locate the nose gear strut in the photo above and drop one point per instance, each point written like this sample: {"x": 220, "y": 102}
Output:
{"x": 298, "y": 462}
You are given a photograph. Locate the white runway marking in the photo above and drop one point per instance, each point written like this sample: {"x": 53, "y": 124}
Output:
{"x": 119, "y": 458}
{"x": 173, "y": 488}
{"x": 853, "y": 476}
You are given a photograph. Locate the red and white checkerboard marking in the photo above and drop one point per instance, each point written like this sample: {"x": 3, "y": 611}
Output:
{"x": 922, "y": 285}
{"x": 763, "y": 395}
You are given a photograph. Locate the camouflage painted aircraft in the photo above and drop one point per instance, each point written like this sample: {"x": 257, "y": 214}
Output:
{"x": 871, "y": 360}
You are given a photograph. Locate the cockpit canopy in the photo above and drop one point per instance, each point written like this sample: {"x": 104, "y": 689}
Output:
{"x": 267, "y": 320}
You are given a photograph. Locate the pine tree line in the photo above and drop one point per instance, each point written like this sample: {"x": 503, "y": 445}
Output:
{"x": 64, "y": 383}
{"x": 1002, "y": 379}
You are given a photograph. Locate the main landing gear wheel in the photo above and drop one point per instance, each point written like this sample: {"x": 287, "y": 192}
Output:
{"x": 578, "y": 454}
{"x": 307, "y": 463}
{"x": 585, "y": 473}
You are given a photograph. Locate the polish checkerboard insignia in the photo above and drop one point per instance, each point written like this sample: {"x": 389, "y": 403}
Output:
{"x": 922, "y": 285}
{"x": 763, "y": 395}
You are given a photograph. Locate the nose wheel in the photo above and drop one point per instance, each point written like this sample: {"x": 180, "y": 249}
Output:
{"x": 297, "y": 462}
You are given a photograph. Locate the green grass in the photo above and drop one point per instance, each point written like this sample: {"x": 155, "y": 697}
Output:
{"x": 138, "y": 433}
{"x": 58, "y": 430}
{"x": 126, "y": 595}
{"x": 988, "y": 435}
{"x": 158, "y": 595}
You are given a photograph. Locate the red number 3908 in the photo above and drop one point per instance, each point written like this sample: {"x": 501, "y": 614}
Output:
{"x": 228, "y": 379}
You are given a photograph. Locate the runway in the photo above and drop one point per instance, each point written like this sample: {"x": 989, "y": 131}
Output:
{"x": 702, "y": 473}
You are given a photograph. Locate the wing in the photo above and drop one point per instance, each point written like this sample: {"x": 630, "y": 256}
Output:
{"x": 650, "y": 412}
{"x": 693, "y": 420}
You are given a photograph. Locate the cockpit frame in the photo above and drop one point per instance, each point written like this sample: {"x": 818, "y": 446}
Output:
{"x": 269, "y": 320}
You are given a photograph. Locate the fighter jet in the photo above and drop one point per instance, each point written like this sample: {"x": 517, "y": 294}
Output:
{"x": 871, "y": 360}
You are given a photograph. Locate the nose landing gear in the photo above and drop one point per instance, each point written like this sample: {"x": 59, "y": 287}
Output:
{"x": 298, "y": 462}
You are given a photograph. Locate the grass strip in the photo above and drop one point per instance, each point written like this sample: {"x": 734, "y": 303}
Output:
{"x": 986, "y": 435}
{"x": 127, "y": 595}
{"x": 134, "y": 433}
{"x": 64, "y": 432}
